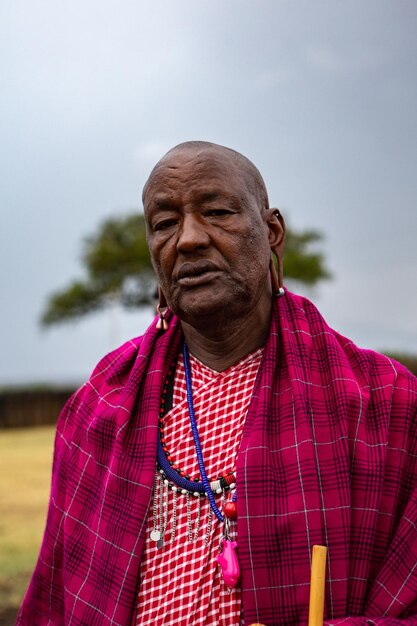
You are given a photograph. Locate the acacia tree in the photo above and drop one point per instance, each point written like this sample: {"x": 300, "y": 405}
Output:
{"x": 118, "y": 269}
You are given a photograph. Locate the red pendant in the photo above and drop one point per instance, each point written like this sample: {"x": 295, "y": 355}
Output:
{"x": 230, "y": 510}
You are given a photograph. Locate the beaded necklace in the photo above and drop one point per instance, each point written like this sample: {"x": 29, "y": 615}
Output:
{"x": 178, "y": 480}
{"x": 227, "y": 557}
{"x": 224, "y": 482}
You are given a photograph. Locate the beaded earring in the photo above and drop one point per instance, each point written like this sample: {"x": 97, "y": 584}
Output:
{"x": 162, "y": 309}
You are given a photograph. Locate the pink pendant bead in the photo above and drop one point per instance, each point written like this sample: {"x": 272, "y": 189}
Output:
{"x": 229, "y": 563}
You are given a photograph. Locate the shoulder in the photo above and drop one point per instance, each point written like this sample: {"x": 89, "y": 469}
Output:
{"x": 108, "y": 378}
{"x": 336, "y": 355}
{"x": 114, "y": 364}
{"x": 380, "y": 372}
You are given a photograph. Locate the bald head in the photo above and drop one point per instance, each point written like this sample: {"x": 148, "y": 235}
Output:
{"x": 250, "y": 175}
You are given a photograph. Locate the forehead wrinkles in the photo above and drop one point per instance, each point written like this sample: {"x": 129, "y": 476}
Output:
{"x": 187, "y": 171}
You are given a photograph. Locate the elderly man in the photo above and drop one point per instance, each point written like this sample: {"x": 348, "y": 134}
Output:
{"x": 200, "y": 463}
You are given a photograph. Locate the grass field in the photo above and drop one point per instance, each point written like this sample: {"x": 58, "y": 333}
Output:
{"x": 25, "y": 472}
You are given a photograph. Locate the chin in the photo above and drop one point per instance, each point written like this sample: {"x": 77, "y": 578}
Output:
{"x": 193, "y": 312}
{"x": 205, "y": 305}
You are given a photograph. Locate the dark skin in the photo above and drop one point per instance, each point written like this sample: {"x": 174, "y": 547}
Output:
{"x": 210, "y": 243}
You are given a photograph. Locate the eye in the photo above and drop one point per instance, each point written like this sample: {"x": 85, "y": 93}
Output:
{"x": 164, "y": 224}
{"x": 218, "y": 212}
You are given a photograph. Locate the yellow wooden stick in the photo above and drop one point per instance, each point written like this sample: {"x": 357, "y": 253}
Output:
{"x": 317, "y": 581}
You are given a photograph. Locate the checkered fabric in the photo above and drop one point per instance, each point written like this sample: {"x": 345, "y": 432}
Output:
{"x": 328, "y": 456}
{"x": 181, "y": 583}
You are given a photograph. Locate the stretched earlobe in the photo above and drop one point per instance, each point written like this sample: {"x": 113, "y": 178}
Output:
{"x": 277, "y": 288}
{"x": 162, "y": 309}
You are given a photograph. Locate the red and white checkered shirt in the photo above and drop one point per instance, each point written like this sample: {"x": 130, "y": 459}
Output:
{"x": 181, "y": 582}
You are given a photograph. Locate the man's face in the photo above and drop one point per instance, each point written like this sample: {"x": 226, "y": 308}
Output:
{"x": 207, "y": 236}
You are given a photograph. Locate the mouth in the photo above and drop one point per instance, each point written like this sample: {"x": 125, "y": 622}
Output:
{"x": 192, "y": 274}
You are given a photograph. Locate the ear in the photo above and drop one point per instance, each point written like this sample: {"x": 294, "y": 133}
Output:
{"x": 276, "y": 236}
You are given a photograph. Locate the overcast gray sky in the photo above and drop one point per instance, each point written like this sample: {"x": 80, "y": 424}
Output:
{"x": 320, "y": 95}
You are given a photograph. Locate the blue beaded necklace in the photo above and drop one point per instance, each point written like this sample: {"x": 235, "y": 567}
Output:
{"x": 171, "y": 471}
{"x": 227, "y": 558}
{"x": 205, "y": 482}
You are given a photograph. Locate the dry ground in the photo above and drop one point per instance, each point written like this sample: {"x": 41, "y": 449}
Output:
{"x": 25, "y": 472}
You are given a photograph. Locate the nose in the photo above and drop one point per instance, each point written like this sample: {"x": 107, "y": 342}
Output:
{"x": 193, "y": 234}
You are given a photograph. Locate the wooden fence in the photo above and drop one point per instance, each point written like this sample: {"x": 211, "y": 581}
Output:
{"x": 31, "y": 407}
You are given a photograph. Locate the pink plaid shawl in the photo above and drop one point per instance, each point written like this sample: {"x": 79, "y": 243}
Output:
{"x": 328, "y": 456}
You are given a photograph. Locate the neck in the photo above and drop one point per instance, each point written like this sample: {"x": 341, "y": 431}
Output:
{"x": 223, "y": 343}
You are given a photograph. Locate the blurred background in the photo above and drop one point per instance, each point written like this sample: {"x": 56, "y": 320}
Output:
{"x": 321, "y": 96}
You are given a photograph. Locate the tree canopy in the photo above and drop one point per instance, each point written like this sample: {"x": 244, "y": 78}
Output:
{"x": 118, "y": 269}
